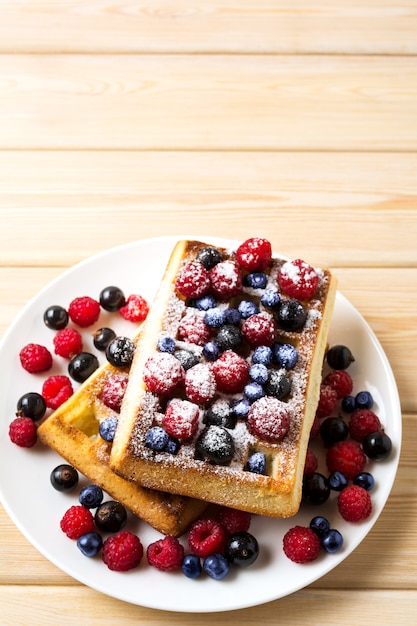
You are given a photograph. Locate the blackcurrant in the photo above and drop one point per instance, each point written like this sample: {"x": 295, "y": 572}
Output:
{"x": 56, "y": 317}
{"x": 241, "y": 549}
{"x": 120, "y": 352}
{"x": 110, "y": 516}
{"x": 339, "y": 357}
{"x": 291, "y": 315}
{"x": 112, "y": 298}
{"x": 377, "y": 446}
{"x": 82, "y": 366}
{"x": 215, "y": 445}
{"x": 278, "y": 384}
{"x": 31, "y": 405}
{"x": 209, "y": 257}
{"x": 316, "y": 488}
{"x": 64, "y": 477}
{"x": 102, "y": 337}
{"x": 333, "y": 429}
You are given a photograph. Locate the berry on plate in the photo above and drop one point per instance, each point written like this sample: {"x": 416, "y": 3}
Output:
{"x": 122, "y": 552}
{"x": 23, "y": 432}
{"x": 363, "y": 422}
{"x": 165, "y": 554}
{"x": 35, "y": 358}
{"x": 354, "y": 503}
{"x": 327, "y": 401}
{"x": 341, "y": 381}
{"x": 84, "y": 311}
{"x": 67, "y": 343}
{"x": 136, "y": 308}
{"x": 301, "y": 544}
{"x": 346, "y": 457}
{"x": 233, "y": 520}
{"x": 206, "y": 536}
{"x": 77, "y": 521}
{"x": 56, "y": 390}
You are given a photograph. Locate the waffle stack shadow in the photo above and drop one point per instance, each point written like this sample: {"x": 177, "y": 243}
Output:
{"x": 227, "y": 475}
{"x": 73, "y": 432}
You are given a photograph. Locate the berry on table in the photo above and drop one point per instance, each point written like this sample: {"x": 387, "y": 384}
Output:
{"x": 254, "y": 254}
{"x": 354, "y": 504}
{"x": 67, "y": 343}
{"x": 35, "y": 358}
{"x": 23, "y": 432}
{"x": 31, "y": 404}
{"x": 165, "y": 554}
{"x": 56, "y": 317}
{"x": 136, "y": 308}
{"x": 112, "y": 298}
{"x": 298, "y": 279}
{"x": 77, "y": 521}
{"x": 346, "y": 457}
{"x": 122, "y": 552}
{"x": 64, "y": 477}
{"x": 301, "y": 544}
{"x": 206, "y": 536}
{"x": 84, "y": 311}
{"x": 56, "y": 390}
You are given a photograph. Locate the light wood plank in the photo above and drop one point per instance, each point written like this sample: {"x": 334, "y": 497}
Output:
{"x": 208, "y": 102}
{"x": 298, "y": 26}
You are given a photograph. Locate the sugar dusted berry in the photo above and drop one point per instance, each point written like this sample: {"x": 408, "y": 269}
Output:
{"x": 84, "y": 311}
{"x": 231, "y": 372}
{"x": 193, "y": 329}
{"x": 206, "y": 536}
{"x": 259, "y": 330}
{"x": 200, "y": 383}
{"x": 77, "y": 521}
{"x": 215, "y": 445}
{"x": 254, "y": 254}
{"x": 269, "y": 419}
{"x": 136, "y": 308}
{"x": 291, "y": 315}
{"x": 181, "y": 419}
{"x": 67, "y": 343}
{"x": 35, "y": 358}
{"x": 163, "y": 373}
{"x": 354, "y": 504}
{"x": 23, "y": 432}
{"x": 193, "y": 280}
{"x": 120, "y": 351}
{"x": 122, "y": 552}
{"x": 301, "y": 544}
{"x": 298, "y": 279}
{"x": 114, "y": 390}
{"x": 107, "y": 428}
{"x": 56, "y": 390}
{"x": 209, "y": 257}
{"x": 165, "y": 554}
{"x": 226, "y": 280}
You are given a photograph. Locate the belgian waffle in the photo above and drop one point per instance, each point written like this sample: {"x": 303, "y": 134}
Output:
{"x": 274, "y": 488}
{"x": 73, "y": 432}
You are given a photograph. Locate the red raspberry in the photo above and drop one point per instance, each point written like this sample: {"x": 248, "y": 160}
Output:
{"x": 56, "y": 390}
{"x": 226, "y": 280}
{"x": 354, "y": 503}
{"x": 181, "y": 419}
{"x": 77, "y": 521}
{"x": 232, "y": 520}
{"x": 163, "y": 373}
{"x": 35, "y": 358}
{"x": 341, "y": 381}
{"x": 193, "y": 329}
{"x": 301, "y": 544}
{"x": 269, "y": 418}
{"x": 346, "y": 457}
{"x": 84, "y": 311}
{"x": 206, "y": 536}
{"x": 165, "y": 554}
{"x": 122, "y": 552}
{"x": 311, "y": 463}
{"x": 200, "y": 383}
{"x": 254, "y": 254}
{"x": 259, "y": 330}
{"x": 231, "y": 372}
{"x": 298, "y": 279}
{"x": 136, "y": 309}
{"x": 23, "y": 432}
{"x": 327, "y": 401}
{"x": 363, "y": 422}
{"x": 68, "y": 343}
{"x": 114, "y": 391}
{"x": 193, "y": 280}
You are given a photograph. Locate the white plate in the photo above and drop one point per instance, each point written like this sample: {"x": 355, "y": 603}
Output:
{"x": 36, "y": 508}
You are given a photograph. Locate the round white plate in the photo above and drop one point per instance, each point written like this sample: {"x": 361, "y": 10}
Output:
{"x": 36, "y": 508}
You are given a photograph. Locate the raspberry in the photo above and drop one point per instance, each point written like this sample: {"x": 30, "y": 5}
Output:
{"x": 200, "y": 383}
{"x": 269, "y": 418}
{"x": 181, "y": 419}
{"x": 340, "y": 381}
{"x": 68, "y": 343}
{"x": 254, "y": 254}
{"x": 311, "y": 463}
{"x": 232, "y": 520}
{"x": 301, "y": 544}
{"x": 35, "y": 358}
{"x": 136, "y": 309}
{"x": 122, "y": 551}
{"x": 354, "y": 503}
{"x": 163, "y": 373}
{"x": 231, "y": 372}
{"x": 259, "y": 330}
{"x": 363, "y": 422}
{"x": 346, "y": 457}
{"x": 327, "y": 401}
{"x": 226, "y": 280}
{"x": 23, "y": 432}
{"x": 56, "y": 390}
{"x": 165, "y": 554}
{"x": 206, "y": 536}
{"x": 114, "y": 391}
{"x": 298, "y": 279}
{"x": 193, "y": 329}
{"x": 77, "y": 521}
{"x": 84, "y": 311}
{"x": 193, "y": 280}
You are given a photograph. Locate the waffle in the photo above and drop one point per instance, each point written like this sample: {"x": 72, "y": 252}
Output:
{"x": 73, "y": 432}
{"x": 255, "y": 463}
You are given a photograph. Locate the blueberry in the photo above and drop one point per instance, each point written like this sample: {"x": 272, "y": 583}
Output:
{"x": 102, "y": 337}
{"x": 364, "y": 400}
{"x": 247, "y": 308}
{"x": 339, "y": 357}
{"x": 216, "y": 566}
{"x": 232, "y": 316}
{"x": 377, "y": 446}
{"x": 120, "y": 352}
{"x": 278, "y": 385}
{"x": 255, "y": 280}
{"x": 172, "y": 446}
{"x": 316, "y": 488}
{"x": 320, "y": 525}
{"x": 348, "y": 404}
{"x": 191, "y": 566}
{"x": 211, "y": 351}
{"x": 56, "y": 317}
{"x": 110, "y": 516}
{"x": 263, "y": 355}
{"x": 214, "y": 318}
{"x": 187, "y": 358}
{"x": 285, "y": 355}
{"x": 332, "y": 541}
{"x": 107, "y": 428}
{"x": 229, "y": 337}
{"x": 291, "y": 315}
{"x": 256, "y": 463}
{"x": 31, "y": 405}
{"x": 215, "y": 445}
{"x": 112, "y": 298}
{"x": 241, "y": 549}
{"x": 64, "y": 477}
{"x": 82, "y": 366}
{"x": 156, "y": 438}
{"x": 270, "y": 299}
{"x": 90, "y": 544}
{"x": 166, "y": 344}
{"x": 365, "y": 480}
{"x": 205, "y": 303}
{"x": 209, "y": 257}
{"x": 220, "y": 414}
{"x": 91, "y": 496}
{"x": 259, "y": 373}
{"x": 337, "y": 481}
{"x": 333, "y": 429}
{"x": 254, "y": 391}
{"x": 240, "y": 408}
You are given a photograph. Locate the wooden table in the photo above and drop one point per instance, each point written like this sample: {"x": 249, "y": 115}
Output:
{"x": 292, "y": 120}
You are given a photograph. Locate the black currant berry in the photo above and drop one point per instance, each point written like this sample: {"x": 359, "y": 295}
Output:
{"x": 120, "y": 352}
{"x": 333, "y": 429}
{"x": 291, "y": 315}
{"x": 377, "y": 446}
{"x": 31, "y": 405}
{"x": 111, "y": 516}
{"x": 82, "y": 366}
{"x": 64, "y": 477}
{"x": 229, "y": 337}
{"x": 209, "y": 257}
{"x": 56, "y": 317}
{"x": 316, "y": 488}
{"x": 112, "y": 298}
{"x": 278, "y": 385}
{"x": 220, "y": 414}
{"x": 102, "y": 337}
{"x": 339, "y": 357}
{"x": 241, "y": 549}
{"x": 215, "y": 445}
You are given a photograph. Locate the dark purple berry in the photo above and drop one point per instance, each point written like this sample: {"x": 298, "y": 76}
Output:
{"x": 339, "y": 357}
{"x": 241, "y": 549}
{"x": 377, "y": 446}
{"x": 112, "y": 298}
{"x": 82, "y": 366}
{"x": 64, "y": 477}
{"x": 215, "y": 445}
{"x": 110, "y": 516}
{"x": 56, "y": 317}
{"x": 102, "y": 337}
{"x": 291, "y": 315}
{"x": 31, "y": 405}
